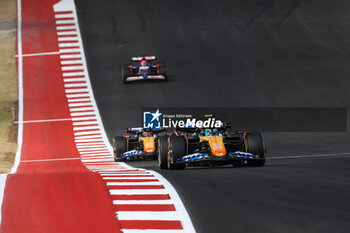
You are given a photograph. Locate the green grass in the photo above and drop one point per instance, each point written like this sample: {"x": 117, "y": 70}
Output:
{"x": 8, "y": 136}
{"x": 8, "y": 84}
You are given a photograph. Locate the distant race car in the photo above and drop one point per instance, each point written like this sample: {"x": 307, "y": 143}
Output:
{"x": 136, "y": 143}
{"x": 144, "y": 68}
{"x": 210, "y": 147}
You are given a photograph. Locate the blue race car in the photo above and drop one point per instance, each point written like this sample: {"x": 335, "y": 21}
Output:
{"x": 144, "y": 68}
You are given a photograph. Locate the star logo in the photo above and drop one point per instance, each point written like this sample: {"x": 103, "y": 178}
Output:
{"x": 156, "y": 115}
{"x": 151, "y": 120}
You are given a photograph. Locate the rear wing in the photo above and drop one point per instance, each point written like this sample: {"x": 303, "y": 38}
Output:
{"x": 148, "y": 58}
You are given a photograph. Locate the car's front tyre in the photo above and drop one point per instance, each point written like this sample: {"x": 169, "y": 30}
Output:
{"x": 163, "y": 152}
{"x": 119, "y": 147}
{"x": 254, "y": 144}
{"x": 177, "y": 149}
{"x": 125, "y": 73}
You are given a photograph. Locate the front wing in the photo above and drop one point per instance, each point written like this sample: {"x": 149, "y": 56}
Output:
{"x": 197, "y": 157}
{"x": 136, "y": 153}
{"x": 140, "y": 77}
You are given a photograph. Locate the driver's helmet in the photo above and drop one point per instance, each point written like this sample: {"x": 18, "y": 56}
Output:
{"x": 146, "y": 134}
{"x": 143, "y": 62}
{"x": 208, "y": 132}
{"x": 215, "y": 132}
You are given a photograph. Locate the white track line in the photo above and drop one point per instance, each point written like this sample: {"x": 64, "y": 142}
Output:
{"x": 94, "y": 155}
{"x": 67, "y": 45}
{"x": 308, "y": 156}
{"x": 72, "y": 50}
{"x": 113, "y": 169}
{"x": 96, "y": 160}
{"x": 97, "y": 157}
{"x": 105, "y": 166}
{"x": 77, "y": 85}
{"x": 86, "y": 113}
{"x": 94, "y": 152}
{"x": 70, "y": 56}
{"x": 86, "y": 137}
{"x": 90, "y": 143}
{"x": 65, "y": 21}
{"x": 87, "y": 156}
{"x": 143, "y": 202}
{"x": 101, "y": 146}
{"x": 40, "y": 121}
{"x": 95, "y": 149}
{"x": 66, "y": 80}
{"x": 81, "y": 109}
{"x": 77, "y": 95}
{"x": 65, "y": 27}
{"x": 20, "y": 88}
{"x": 85, "y": 128}
{"x": 122, "y": 169}
{"x": 134, "y": 173}
{"x": 103, "y": 173}
{"x": 128, "y": 178}
{"x": 64, "y": 68}
{"x": 71, "y": 62}
{"x": 37, "y": 54}
{"x": 87, "y": 133}
{"x": 101, "y": 167}
{"x": 148, "y": 215}
{"x": 131, "y": 183}
{"x": 67, "y": 33}
{"x": 84, "y": 123}
{"x": 153, "y": 231}
{"x": 3, "y": 178}
{"x": 72, "y": 74}
{"x": 138, "y": 191}
{"x": 80, "y": 100}
{"x": 66, "y": 38}
{"x": 49, "y": 160}
{"x": 58, "y": 16}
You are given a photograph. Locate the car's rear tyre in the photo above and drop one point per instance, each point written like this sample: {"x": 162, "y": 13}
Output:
{"x": 163, "y": 152}
{"x": 163, "y": 70}
{"x": 254, "y": 143}
{"x": 177, "y": 149}
{"x": 125, "y": 73}
{"x": 119, "y": 147}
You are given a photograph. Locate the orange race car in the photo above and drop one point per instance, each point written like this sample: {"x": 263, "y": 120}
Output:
{"x": 136, "y": 143}
{"x": 210, "y": 147}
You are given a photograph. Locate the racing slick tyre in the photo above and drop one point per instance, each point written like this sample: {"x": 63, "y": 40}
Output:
{"x": 163, "y": 152}
{"x": 125, "y": 73}
{"x": 177, "y": 149}
{"x": 163, "y": 70}
{"x": 119, "y": 147}
{"x": 254, "y": 143}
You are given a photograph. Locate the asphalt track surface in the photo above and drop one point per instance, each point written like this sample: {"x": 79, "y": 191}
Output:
{"x": 225, "y": 53}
